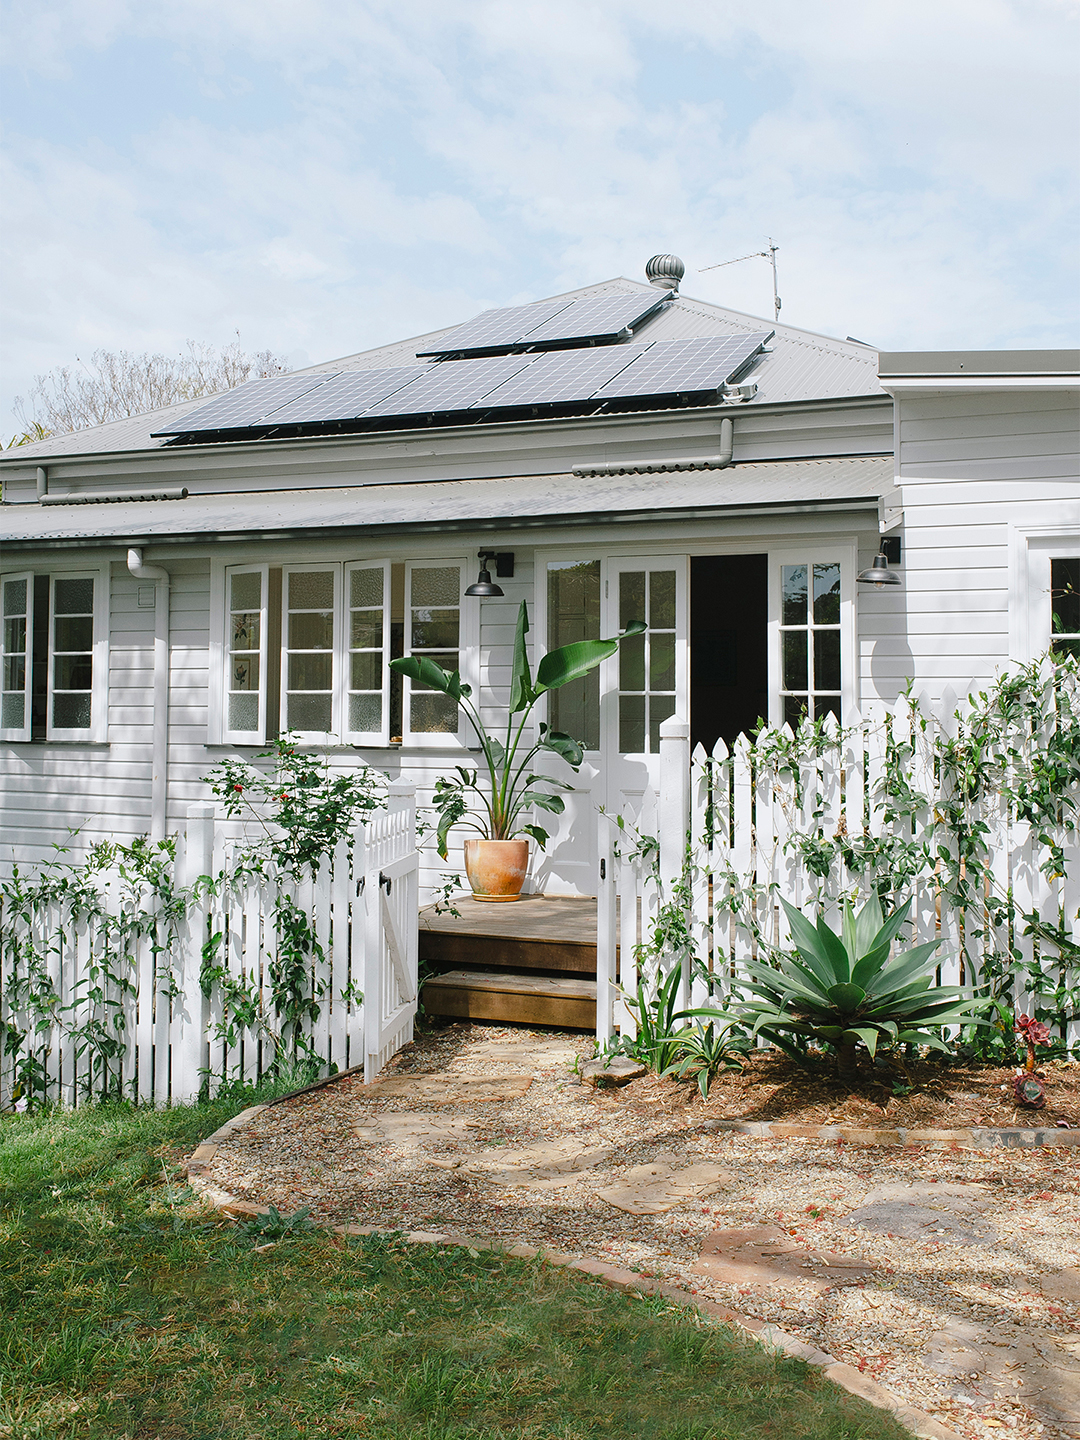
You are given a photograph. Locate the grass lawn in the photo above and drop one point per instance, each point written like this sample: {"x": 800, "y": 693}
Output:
{"x": 129, "y": 1312}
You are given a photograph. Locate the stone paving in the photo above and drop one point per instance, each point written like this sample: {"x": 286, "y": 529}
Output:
{"x": 953, "y": 1278}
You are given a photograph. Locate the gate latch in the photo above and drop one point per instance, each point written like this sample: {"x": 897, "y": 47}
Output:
{"x": 603, "y": 869}
{"x": 385, "y": 882}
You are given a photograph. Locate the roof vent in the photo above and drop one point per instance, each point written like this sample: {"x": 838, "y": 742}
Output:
{"x": 665, "y": 271}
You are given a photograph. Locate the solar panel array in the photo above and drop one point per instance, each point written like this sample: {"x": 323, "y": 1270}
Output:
{"x": 685, "y": 366}
{"x": 496, "y": 329}
{"x": 599, "y": 319}
{"x": 246, "y": 405}
{"x": 346, "y": 396}
{"x": 494, "y": 382}
{"x": 453, "y": 385}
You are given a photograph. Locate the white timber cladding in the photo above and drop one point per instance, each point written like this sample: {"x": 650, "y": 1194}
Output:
{"x": 991, "y": 490}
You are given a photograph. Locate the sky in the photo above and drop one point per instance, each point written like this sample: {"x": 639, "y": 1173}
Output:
{"x": 323, "y": 176}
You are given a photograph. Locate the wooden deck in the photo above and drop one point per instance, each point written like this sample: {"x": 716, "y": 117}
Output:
{"x": 537, "y": 932}
{"x": 483, "y": 950}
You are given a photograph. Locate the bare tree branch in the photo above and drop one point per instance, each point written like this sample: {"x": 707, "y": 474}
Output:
{"x": 119, "y": 383}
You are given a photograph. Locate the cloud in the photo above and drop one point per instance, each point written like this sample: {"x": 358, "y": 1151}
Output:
{"x": 326, "y": 177}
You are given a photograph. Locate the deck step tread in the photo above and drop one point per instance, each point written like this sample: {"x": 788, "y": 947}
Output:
{"x": 543, "y": 919}
{"x": 508, "y": 983}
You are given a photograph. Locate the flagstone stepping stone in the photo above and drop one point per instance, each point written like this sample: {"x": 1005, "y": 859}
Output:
{"x": 991, "y": 1359}
{"x": 539, "y": 1167}
{"x": 542, "y": 1054}
{"x": 413, "y": 1129}
{"x": 619, "y": 1071}
{"x": 1061, "y": 1284}
{"x": 665, "y": 1183}
{"x": 763, "y": 1258}
{"x": 947, "y": 1214}
{"x": 440, "y": 1089}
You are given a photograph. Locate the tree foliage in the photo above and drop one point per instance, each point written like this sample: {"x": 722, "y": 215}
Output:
{"x": 115, "y": 384}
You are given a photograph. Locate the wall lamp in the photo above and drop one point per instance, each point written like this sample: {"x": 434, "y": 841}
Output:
{"x": 504, "y": 568}
{"x": 879, "y": 575}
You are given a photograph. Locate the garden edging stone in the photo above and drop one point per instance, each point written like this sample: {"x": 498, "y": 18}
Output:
{"x": 975, "y": 1138}
{"x": 922, "y": 1425}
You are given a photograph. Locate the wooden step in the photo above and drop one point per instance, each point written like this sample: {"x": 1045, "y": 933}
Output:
{"x": 527, "y": 999}
{"x": 537, "y": 932}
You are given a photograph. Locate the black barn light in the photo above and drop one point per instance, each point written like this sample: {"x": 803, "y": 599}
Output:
{"x": 484, "y": 584}
{"x": 879, "y": 575}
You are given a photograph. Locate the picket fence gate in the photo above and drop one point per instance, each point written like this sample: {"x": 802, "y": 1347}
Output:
{"x": 730, "y": 826}
{"x": 138, "y": 1024}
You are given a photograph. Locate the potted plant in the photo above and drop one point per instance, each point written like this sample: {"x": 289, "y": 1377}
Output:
{"x": 493, "y": 798}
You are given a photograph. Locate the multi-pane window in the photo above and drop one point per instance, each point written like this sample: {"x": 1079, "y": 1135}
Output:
{"x": 246, "y": 660}
{"x": 434, "y": 631}
{"x": 646, "y": 662}
{"x": 52, "y": 678}
{"x": 308, "y": 661}
{"x": 573, "y": 614}
{"x": 810, "y": 682}
{"x": 307, "y": 648}
{"x": 1065, "y": 606}
{"x": 18, "y": 617}
{"x": 71, "y": 689}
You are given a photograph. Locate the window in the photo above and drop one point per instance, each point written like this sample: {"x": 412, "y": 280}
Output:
{"x": 647, "y": 661}
{"x": 810, "y": 641}
{"x": 54, "y": 657}
{"x": 1065, "y": 606}
{"x": 306, "y": 650}
{"x": 573, "y": 613}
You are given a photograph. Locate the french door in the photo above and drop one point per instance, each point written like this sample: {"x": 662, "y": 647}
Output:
{"x": 647, "y": 681}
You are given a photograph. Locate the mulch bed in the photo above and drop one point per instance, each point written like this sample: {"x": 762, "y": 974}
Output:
{"x": 947, "y": 1096}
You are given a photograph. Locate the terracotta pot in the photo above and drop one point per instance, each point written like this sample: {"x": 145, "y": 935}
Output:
{"x": 496, "y": 868}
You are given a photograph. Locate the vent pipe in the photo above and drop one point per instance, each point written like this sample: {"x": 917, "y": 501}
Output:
{"x": 42, "y": 482}
{"x": 159, "y": 789}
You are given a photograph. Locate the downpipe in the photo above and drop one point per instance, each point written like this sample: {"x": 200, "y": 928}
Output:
{"x": 159, "y": 785}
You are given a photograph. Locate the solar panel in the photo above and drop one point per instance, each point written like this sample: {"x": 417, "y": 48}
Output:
{"x": 453, "y": 385}
{"x": 677, "y": 366}
{"x": 348, "y": 395}
{"x": 561, "y": 377}
{"x": 497, "y": 329}
{"x": 600, "y": 318}
{"x": 246, "y": 405}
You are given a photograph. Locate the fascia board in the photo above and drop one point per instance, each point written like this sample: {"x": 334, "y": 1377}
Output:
{"x": 944, "y": 384}
{"x": 345, "y": 450}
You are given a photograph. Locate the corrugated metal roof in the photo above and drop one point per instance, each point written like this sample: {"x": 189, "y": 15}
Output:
{"x": 799, "y": 365}
{"x": 457, "y": 503}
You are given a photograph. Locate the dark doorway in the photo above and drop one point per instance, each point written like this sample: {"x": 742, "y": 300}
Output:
{"x": 729, "y": 664}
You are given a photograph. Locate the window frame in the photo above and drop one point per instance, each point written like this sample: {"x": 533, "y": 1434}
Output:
{"x": 97, "y": 730}
{"x": 228, "y": 735}
{"x": 468, "y": 657}
{"x": 336, "y": 652}
{"x": 1031, "y": 550}
{"x": 20, "y": 732}
{"x": 810, "y": 553}
{"x": 375, "y": 739}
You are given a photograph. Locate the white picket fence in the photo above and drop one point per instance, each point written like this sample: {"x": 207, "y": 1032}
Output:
{"x": 738, "y": 824}
{"x": 137, "y": 1023}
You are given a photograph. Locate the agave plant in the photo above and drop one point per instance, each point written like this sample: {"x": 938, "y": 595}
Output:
{"x": 850, "y": 990}
{"x": 493, "y": 798}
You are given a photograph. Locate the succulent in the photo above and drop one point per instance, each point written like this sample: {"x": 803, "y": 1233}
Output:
{"x": 849, "y": 990}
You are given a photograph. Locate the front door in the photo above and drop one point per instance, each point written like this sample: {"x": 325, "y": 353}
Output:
{"x": 647, "y": 681}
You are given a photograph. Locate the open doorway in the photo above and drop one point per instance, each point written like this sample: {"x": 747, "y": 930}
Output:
{"x": 729, "y": 664}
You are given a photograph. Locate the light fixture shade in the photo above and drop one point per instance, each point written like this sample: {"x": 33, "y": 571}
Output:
{"x": 485, "y": 586}
{"x": 879, "y": 573}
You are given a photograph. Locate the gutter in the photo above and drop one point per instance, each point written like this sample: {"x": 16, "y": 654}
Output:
{"x": 159, "y": 785}
{"x": 720, "y": 461}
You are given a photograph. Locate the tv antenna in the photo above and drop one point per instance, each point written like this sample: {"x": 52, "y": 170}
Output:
{"x": 770, "y": 255}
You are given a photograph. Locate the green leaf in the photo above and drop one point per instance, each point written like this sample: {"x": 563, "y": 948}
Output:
{"x": 867, "y": 1036}
{"x": 423, "y": 671}
{"x": 808, "y": 943}
{"x": 521, "y": 691}
{"x": 554, "y": 804}
{"x": 866, "y": 926}
{"x": 847, "y": 998}
{"x": 538, "y": 833}
{"x": 835, "y": 949}
{"x": 571, "y": 750}
{"x": 571, "y": 662}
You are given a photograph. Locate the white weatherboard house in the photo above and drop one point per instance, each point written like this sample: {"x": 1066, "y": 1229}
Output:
{"x": 183, "y": 586}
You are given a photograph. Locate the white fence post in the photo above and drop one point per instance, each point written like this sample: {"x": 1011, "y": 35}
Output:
{"x": 674, "y": 812}
{"x": 188, "y": 1027}
{"x": 606, "y": 936}
{"x": 401, "y": 794}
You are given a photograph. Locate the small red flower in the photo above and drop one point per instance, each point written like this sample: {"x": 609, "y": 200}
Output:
{"x": 283, "y": 797}
{"x": 238, "y": 789}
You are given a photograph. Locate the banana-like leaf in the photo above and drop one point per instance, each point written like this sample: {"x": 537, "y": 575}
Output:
{"x": 521, "y": 687}
{"x": 555, "y": 804}
{"x": 425, "y": 672}
{"x": 571, "y": 750}
{"x": 538, "y": 833}
{"x": 571, "y": 662}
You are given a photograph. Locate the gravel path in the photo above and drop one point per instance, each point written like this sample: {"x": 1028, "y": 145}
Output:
{"x": 950, "y": 1276}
